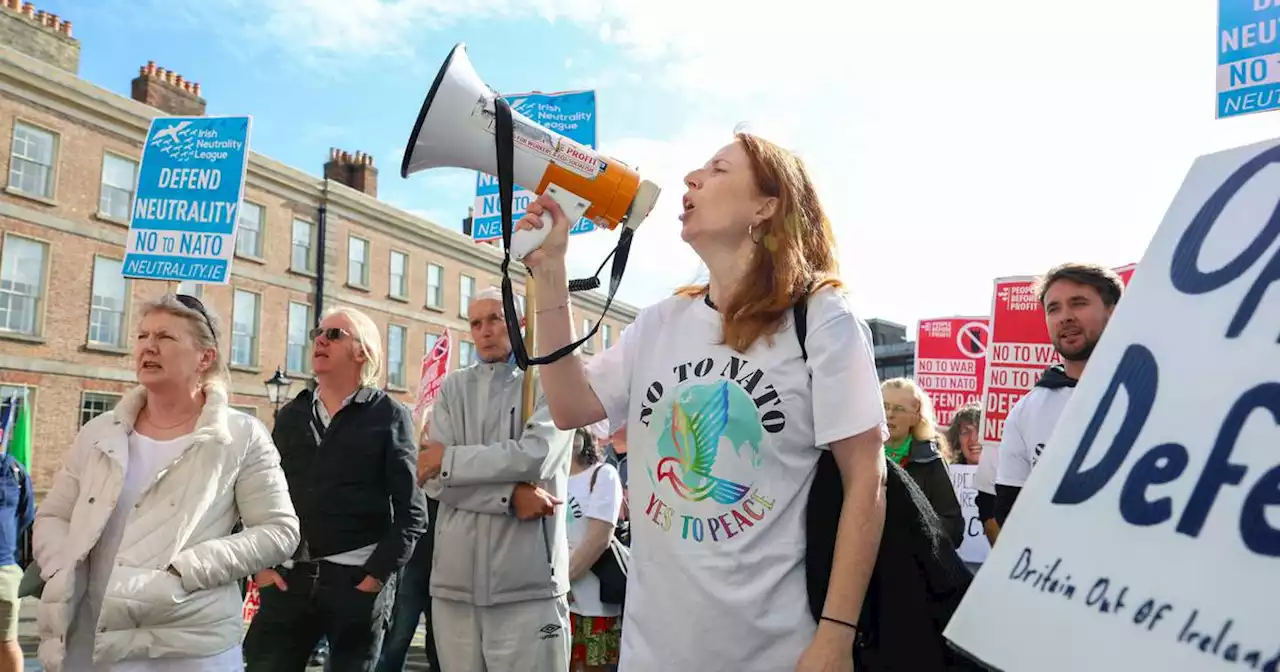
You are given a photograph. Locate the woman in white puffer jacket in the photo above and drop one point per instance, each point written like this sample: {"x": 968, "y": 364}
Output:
{"x": 135, "y": 538}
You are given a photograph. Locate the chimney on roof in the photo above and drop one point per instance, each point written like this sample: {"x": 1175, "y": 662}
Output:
{"x": 354, "y": 170}
{"x": 43, "y": 36}
{"x": 167, "y": 91}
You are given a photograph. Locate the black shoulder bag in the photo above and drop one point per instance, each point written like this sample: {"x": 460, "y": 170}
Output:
{"x": 918, "y": 580}
{"x": 613, "y": 565}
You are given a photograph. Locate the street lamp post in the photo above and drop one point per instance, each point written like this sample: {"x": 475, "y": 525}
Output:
{"x": 277, "y": 389}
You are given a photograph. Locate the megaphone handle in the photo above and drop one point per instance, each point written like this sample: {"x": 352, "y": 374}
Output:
{"x": 525, "y": 241}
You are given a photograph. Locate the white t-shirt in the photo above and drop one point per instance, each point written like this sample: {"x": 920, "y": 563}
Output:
{"x": 146, "y": 458}
{"x": 984, "y": 478}
{"x": 1027, "y": 429}
{"x": 726, "y": 447}
{"x": 601, "y": 503}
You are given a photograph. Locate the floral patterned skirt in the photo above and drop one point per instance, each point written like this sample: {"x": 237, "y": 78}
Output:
{"x": 596, "y": 639}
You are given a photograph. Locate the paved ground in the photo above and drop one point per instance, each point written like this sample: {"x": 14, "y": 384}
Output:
{"x": 29, "y": 637}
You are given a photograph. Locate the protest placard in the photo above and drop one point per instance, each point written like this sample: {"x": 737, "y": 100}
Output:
{"x": 1147, "y": 538}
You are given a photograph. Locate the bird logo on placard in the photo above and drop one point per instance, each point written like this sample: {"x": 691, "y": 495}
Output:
{"x": 171, "y": 133}
{"x": 177, "y": 141}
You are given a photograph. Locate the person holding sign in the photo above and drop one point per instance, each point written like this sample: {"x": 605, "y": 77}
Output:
{"x": 1078, "y": 300}
{"x": 914, "y": 443}
{"x": 727, "y": 420}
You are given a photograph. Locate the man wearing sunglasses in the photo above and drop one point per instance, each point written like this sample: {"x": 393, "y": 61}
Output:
{"x": 500, "y": 575}
{"x": 349, "y": 452}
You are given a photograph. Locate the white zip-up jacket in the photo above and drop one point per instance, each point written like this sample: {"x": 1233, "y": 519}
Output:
{"x": 229, "y": 473}
{"x": 484, "y": 555}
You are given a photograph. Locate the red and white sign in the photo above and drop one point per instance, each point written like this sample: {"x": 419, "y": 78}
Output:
{"x": 434, "y": 367}
{"x": 951, "y": 359}
{"x": 1020, "y": 349}
{"x": 252, "y": 600}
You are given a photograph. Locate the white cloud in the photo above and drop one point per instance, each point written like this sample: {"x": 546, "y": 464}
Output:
{"x": 952, "y": 141}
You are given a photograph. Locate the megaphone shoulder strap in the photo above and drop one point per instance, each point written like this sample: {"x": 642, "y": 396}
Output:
{"x": 505, "y": 146}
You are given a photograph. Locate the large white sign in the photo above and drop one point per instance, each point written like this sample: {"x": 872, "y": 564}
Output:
{"x": 1148, "y": 536}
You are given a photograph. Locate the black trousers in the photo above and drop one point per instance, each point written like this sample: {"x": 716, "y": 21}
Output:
{"x": 321, "y": 601}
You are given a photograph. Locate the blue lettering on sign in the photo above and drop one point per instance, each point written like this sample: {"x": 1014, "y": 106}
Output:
{"x": 1184, "y": 271}
{"x": 1249, "y": 72}
{"x": 1138, "y": 373}
{"x": 1248, "y": 38}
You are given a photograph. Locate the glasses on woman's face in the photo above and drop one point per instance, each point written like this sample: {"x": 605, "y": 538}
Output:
{"x": 897, "y": 409}
{"x": 192, "y": 303}
{"x": 330, "y": 333}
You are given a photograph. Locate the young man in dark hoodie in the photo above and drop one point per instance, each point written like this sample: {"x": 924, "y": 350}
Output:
{"x": 1078, "y": 300}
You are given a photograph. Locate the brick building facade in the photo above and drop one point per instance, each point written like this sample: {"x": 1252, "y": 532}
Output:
{"x": 70, "y": 152}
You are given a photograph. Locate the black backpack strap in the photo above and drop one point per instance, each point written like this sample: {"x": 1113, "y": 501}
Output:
{"x": 800, "y": 315}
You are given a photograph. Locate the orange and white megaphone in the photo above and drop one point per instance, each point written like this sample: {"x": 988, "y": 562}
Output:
{"x": 456, "y": 129}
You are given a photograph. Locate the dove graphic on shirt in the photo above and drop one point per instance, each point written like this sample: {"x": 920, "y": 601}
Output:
{"x": 696, "y": 437}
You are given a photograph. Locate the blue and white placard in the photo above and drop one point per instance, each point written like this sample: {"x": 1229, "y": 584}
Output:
{"x": 1248, "y": 56}
{"x": 571, "y": 114}
{"x": 1148, "y": 536}
{"x": 187, "y": 204}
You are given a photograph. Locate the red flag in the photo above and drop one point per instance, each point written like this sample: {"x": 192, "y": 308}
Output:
{"x": 434, "y": 367}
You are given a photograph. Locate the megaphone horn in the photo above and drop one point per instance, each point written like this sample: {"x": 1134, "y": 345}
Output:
{"x": 456, "y": 128}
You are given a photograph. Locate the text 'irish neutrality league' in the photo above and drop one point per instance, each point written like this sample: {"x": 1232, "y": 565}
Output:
{"x": 190, "y": 184}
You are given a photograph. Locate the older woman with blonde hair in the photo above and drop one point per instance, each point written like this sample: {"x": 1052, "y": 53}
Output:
{"x": 136, "y": 537}
{"x": 915, "y": 444}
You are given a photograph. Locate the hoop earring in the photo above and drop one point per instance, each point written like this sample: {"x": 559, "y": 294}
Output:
{"x": 751, "y": 232}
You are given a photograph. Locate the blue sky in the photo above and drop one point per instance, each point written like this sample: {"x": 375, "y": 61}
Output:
{"x": 952, "y": 142}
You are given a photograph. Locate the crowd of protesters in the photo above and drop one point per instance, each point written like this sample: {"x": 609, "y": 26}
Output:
{"x": 505, "y": 531}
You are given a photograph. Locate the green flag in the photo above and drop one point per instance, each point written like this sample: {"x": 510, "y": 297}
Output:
{"x": 20, "y": 439}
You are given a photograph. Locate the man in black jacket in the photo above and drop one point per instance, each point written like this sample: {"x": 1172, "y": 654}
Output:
{"x": 349, "y": 453}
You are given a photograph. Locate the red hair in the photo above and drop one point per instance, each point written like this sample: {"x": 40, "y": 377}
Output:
{"x": 796, "y": 250}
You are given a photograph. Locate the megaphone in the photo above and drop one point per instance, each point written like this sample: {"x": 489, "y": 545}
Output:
{"x": 456, "y": 128}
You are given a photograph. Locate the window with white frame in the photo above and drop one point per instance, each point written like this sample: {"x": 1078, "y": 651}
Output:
{"x": 191, "y": 288}
{"x": 108, "y": 303}
{"x": 466, "y": 353}
{"x": 297, "y": 358}
{"x": 244, "y": 328}
{"x": 249, "y": 230}
{"x": 303, "y": 238}
{"x": 22, "y": 274}
{"x": 251, "y": 410}
{"x": 357, "y": 262}
{"x": 520, "y": 304}
{"x": 93, "y": 404}
{"x": 398, "y": 283}
{"x": 435, "y": 286}
{"x": 589, "y": 345}
{"x": 31, "y": 160}
{"x": 606, "y": 335}
{"x": 118, "y": 178}
{"x": 396, "y": 336}
{"x": 466, "y": 290}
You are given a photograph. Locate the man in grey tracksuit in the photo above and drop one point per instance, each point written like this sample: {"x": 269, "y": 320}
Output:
{"x": 500, "y": 575}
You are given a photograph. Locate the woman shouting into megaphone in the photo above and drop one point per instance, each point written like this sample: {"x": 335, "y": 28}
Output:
{"x": 727, "y": 408}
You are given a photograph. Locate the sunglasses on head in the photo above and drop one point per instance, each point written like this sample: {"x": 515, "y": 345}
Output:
{"x": 195, "y": 304}
{"x": 330, "y": 333}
